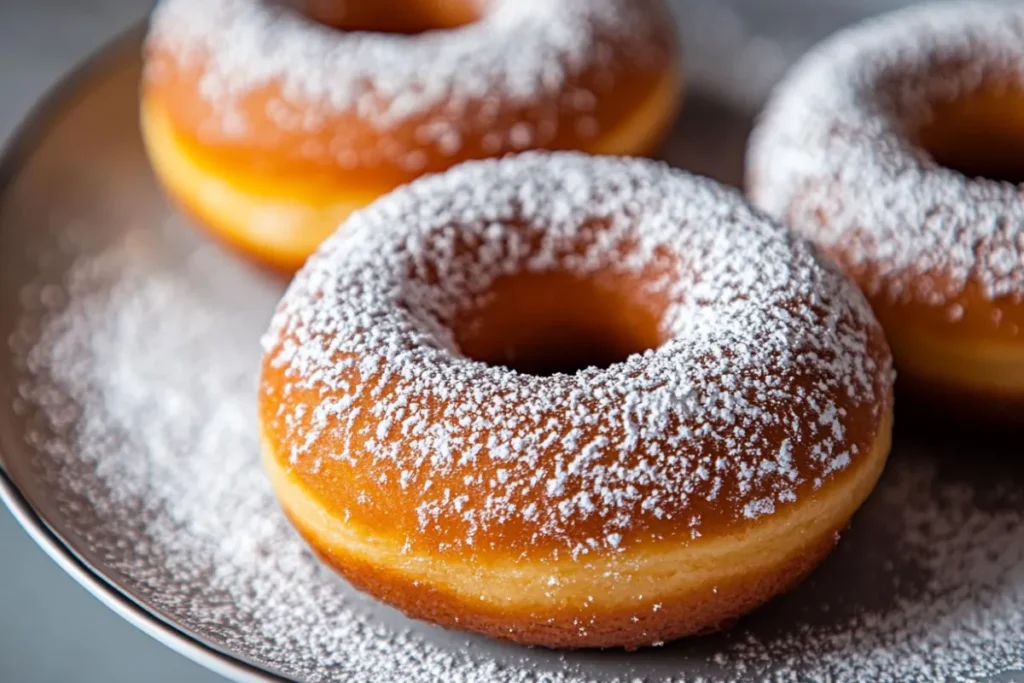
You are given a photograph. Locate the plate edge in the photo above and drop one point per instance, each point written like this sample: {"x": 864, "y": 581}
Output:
{"x": 17, "y": 148}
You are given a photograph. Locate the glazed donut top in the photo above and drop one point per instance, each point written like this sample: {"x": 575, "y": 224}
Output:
{"x": 524, "y": 74}
{"x": 834, "y": 153}
{"x": 771, "y": 377}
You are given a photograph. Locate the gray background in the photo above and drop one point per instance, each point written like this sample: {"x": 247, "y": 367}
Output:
{"x": 53, "y": 630}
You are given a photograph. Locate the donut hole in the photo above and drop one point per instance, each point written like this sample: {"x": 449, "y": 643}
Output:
{"x": 980, "y": 135}
{"x": 403, "y": 17}
{"x": 550, "y": 323}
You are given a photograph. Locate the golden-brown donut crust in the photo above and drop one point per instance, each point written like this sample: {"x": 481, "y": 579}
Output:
{"x": 273, "y": 168}
{"x": 695, "y": 614}
{"x": 387, "y": 407}
{"x": 701, "y": 612}
{"x": 701, "y": 609}
{"x": 896, "y": 146}
{"x": 337, "y": 484}
{"x": 306, "y": 154}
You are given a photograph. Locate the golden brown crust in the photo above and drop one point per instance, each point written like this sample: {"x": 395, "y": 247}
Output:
{"x": 627, "y": 502}
{"x": 276, "y": 193}
{"x": 308, "y": 152}
{"x": 280, "y": 253}
{"x": 974, "y": 405}
{"x": 896, "y": 147}
{"x": 339, "y": 484}
{"x": 740, "y": 582}
{"x": 696, "y": 613}
{"x": 186, "y": 205}
{"x": 963, "y": 357}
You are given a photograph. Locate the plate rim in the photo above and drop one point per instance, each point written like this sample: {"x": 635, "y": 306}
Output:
{"x": 32, "y": 128}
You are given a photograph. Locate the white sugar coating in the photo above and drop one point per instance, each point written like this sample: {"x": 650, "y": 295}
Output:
{"x": 521, "y": 53}
{"x": 831, "y": 154}
{"x": 708, "y": 417}
{"x": 135, "y": 365}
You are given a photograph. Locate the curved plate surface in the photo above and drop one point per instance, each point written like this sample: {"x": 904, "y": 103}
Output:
{"x": 127, "y": 435}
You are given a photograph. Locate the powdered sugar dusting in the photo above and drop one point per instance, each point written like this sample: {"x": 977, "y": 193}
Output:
{"x": 136, "y": 372}
{"x": 132, "y": 353}
{"x": 520, "y": 54}
{"x": 640, "y": 445}
{"x": 832, "y": 156}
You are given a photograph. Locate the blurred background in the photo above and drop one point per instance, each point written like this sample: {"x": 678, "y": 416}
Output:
{"x": 53, "y": 630}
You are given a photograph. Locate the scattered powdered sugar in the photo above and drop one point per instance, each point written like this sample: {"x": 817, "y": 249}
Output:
{"x": 832, "y": 154}
{"x": 637, "y": 446}
{"x": 135, "y": 364}
{"x": 519, "y": 54}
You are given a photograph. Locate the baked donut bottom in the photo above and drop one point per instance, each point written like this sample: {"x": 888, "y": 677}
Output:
{"x": 281, "y": 223}
{"x": 976, "y": 378}
{"x": 277, "y": 224}
{"x": 644, "y": 595}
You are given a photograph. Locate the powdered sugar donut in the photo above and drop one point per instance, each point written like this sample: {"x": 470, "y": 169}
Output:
{"x": 605, "y": 383}
{"x": 897, "y": 146}
{"x": 271, "y": 122}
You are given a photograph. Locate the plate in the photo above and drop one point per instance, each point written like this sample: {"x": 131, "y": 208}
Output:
{"x": 128, "y": 449}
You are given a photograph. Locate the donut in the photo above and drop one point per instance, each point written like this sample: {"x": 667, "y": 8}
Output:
{"x": 572, "y": 401}
{"x": 269, "y": 123}
{"x": 896, "y": 146}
